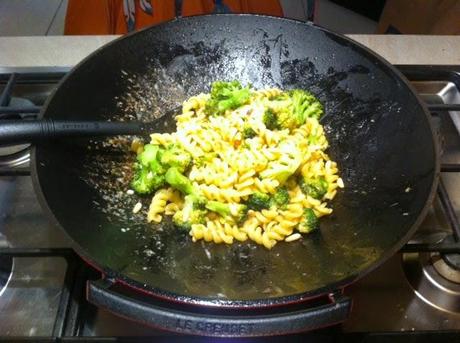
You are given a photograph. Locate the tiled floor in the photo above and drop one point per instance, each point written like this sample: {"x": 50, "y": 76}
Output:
{"x": 46, "y": 17}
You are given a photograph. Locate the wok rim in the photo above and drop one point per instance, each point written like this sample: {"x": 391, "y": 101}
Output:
{"x": 260, "y": 302}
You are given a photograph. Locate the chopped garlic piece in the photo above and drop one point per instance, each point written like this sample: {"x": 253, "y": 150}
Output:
{"x": 293, "y": 237}
{"x": 137, "y": 207}
{"x": 340, "y": 182}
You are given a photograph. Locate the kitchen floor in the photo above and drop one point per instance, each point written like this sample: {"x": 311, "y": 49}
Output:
{"x": 46, "y": 17}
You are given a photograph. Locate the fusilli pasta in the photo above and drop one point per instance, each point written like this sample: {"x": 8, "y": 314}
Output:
{"x": 265, "y": 155}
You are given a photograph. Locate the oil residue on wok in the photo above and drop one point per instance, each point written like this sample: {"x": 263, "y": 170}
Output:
{"x": 166, "y": 256}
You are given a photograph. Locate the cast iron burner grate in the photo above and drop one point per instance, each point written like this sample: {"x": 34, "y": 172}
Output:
{"x": 68, "y": 321}
{"x": 6, "y": 268}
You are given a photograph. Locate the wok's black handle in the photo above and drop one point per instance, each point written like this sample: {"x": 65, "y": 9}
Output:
{"x": 186, "y": 322}
{"x": 33, "y": 131}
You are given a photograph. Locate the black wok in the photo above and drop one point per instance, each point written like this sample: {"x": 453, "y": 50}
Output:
{"x": 379, "y": 134}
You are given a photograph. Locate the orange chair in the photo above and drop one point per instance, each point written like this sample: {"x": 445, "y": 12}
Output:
{"x": 101, "y": 17}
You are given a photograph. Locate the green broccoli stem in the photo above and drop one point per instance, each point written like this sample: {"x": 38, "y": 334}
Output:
{"x": 239, "y": 210}
{"x": 179, "y": 181}
{"x": 218, "y": 207}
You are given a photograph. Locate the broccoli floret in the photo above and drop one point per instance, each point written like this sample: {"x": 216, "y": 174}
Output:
{"x": 300, "y": 105}
{"x": 285, "y": 171}
{"x": 226, "y": 96}
{"x": 192, "y": 213}
{"x": 248, "y": 132}
{"x": 270, "y": 119}
{"x": 283, "y": 174}
{"x": 153, "y": 163}
{"x": 237, "y": 211}
{"x": 175, "y": 156}
{"x": 305, "y": 105}
{"x": 148, "y": 154}
{"x": 149, "y": 158}
{"x": 148, "y": 173}
{"x": 316, "y": 187}
{"x": 280, "y": 198}
{"x": 204, "y": 159}
{"x": 258, "y": 201}
{"x": 309, "y": 221}
{"x": 245, "y": 146}
{"x": 312, "y": 139}
{"x": 145, "y": 181}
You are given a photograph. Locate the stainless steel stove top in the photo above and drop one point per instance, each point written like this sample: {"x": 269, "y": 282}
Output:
{"x": 384, "y": 301}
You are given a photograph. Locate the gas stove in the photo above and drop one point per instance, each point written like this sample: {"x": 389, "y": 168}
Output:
{"x": 414, "y": 295}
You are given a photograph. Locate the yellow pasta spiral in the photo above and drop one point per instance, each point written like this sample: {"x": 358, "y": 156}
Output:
{"x": 237, "y": 155}
{"x": 195, "y": 103}
{"x": 158, "y": 204}
{"x": 267, "y": 93}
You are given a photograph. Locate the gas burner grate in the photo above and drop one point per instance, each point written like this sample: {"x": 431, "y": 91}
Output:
{"x": 451, "y": 74}
{"x": 73, "y": 287}
{"x": 452, "y": 219}
{"x": 9, "y": 110}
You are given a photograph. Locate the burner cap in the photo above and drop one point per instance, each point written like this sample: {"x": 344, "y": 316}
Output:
{"x": 453, "y": 260}
{"x": 433, "y": 280}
